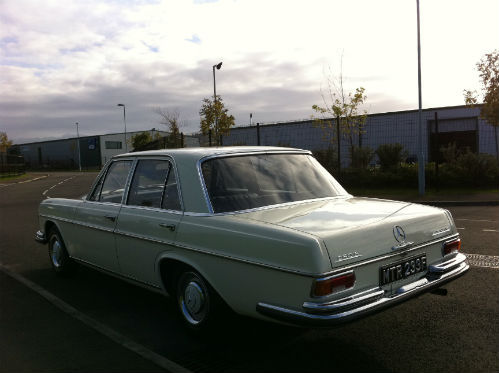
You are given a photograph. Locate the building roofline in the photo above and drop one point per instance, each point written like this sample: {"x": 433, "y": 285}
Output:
{"x": 85, "y": 137}
{"x": 299, "y": 121}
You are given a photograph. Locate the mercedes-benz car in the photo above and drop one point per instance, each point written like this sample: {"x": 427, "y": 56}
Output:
{"x": 265, "y": 231}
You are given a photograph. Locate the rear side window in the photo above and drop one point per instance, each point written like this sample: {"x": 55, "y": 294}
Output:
{"x": 111, "y": 187}
{"x": 148, "y": 183}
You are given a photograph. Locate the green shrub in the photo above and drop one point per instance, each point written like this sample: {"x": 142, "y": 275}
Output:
{"x": 477, "y": 169}
{"x": 362, "y": 157}
{"x": 391, "y": 155}
{"x": 328, "y": 158}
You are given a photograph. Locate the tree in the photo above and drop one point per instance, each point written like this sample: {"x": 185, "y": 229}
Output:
{"x": 344, "y": 108}
{"x": 5, "y": 143}
{"x": 141, "y": 139}
{"x": 488, "y": 67}
{"x": 209, "y": 112}
{"x": 171, "y": 118}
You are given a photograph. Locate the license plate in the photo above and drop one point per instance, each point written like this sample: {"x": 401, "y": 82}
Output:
{"x": 402, "y": 269}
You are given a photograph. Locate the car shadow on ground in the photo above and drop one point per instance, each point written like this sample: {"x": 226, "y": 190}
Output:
{"x": 238, "y": 344}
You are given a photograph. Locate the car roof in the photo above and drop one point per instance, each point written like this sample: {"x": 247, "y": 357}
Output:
{"x": 199, "y": 153}
{"x": 187, "y": 160}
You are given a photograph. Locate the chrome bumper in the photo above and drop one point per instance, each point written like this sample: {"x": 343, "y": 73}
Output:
{"x": 366, "y": 302}
{"x": 40, "y": 237}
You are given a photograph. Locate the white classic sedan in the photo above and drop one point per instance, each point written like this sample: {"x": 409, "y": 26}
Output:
{"x": 266, "y": 231}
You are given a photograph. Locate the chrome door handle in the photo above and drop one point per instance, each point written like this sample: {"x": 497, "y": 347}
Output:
{"x": 168, "y": 226}
{"x": 110, "y": 217}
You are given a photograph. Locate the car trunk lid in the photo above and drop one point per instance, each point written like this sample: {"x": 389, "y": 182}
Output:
{"x": 354, "y": 229}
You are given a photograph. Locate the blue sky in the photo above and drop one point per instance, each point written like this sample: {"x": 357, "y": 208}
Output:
{"x": 63, "y": 62}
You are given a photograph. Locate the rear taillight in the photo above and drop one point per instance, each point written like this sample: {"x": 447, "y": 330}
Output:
{"x": 333, "y": 284}
{"x": 452, "y": 246}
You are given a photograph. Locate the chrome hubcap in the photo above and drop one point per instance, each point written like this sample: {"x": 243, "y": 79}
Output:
{"x": 56, "y": 253}
{"x": 193, "y": 298}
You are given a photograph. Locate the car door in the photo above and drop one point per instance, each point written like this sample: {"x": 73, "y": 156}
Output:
{"x": 96, "y": 218}
{"x": 148, "y": 221}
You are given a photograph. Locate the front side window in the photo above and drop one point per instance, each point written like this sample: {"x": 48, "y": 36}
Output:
{"x": 111, "y": 187}
{"x": 251, "y": 181}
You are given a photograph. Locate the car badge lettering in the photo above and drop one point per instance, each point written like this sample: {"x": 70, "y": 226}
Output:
{"x": 441, "y": 231}
{"x": 347, "y": 256}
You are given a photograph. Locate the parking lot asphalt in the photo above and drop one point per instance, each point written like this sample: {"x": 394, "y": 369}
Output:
{"x": 457, "y": 332}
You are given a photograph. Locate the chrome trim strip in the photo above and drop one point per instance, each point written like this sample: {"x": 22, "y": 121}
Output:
{"x": 390, "y": 255}
{"x": 362, "y": 297}
{"x": 131, "y": 235}
{"x": 447, "y": 265}
{"x": 155, "y": 209}
{"x": 103, "y": 203}
{"x": 349, "y": 313}
{"x": 116, "y": 274}
{"x": 56, "y": 218}
{"x": 246, "y": 261}
{"x": 78, "y": 223}
{"x": 285, "y": 204}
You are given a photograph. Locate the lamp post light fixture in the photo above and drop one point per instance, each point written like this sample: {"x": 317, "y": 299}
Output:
{"x": 124, "y": 121}
{"x": 217, "y": 66}
{"x": 78, "y": 146}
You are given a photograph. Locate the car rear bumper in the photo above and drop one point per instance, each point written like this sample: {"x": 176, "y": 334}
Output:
{"x": 40, "y": 237}
{"x": 366, "y": 302}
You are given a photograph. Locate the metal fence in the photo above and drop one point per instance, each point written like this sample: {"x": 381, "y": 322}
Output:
{"x": 453, "y": 131}
{"x": 11, "y": 165}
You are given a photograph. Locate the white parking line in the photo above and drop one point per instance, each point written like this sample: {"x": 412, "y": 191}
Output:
{"x": 25, "y": 181}
{"x": 98, "y": 326}
{"x": 53, "y": 186}
{"x": 483, "y": 261}
{"x": 483, "y": 221}
{"x": 490, "y": 230}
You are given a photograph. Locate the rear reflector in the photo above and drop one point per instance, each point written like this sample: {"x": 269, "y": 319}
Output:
{"x": 452, "y": 246}
{"x": 329, "y": 285}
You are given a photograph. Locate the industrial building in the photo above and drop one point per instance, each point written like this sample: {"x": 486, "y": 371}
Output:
{"x": 94, "y": 151}
{"x": 461, "y": 125}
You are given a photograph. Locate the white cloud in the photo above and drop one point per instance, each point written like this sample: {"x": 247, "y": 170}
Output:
{"x": 64, "y": 61}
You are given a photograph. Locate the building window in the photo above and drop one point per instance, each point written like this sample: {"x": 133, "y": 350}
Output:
{"x": 113, "y": 144}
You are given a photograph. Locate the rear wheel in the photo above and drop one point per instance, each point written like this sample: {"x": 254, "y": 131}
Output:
{"x": 197, "y": 301}
{"x": 59, "y": 257}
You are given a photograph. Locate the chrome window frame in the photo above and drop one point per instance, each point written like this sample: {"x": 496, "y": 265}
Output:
{"x": 102, "y": 176}
{"x": 173, "y": 166}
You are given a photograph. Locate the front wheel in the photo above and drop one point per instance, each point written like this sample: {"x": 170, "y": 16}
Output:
{"x": 59, "y": 258}
{"x": 196, "y": 300}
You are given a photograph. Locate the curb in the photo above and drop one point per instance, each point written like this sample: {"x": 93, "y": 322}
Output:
{"x": 458, "y": 203}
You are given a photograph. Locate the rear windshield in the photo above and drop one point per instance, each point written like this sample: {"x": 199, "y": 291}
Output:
{"x": 251, "y": 181}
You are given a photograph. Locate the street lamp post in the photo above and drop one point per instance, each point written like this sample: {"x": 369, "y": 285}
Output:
{"x": 421, "y": 160}
{"x": 78, "y": 145}
{"x": 218, "y": 66}
{"x": 124, "y": 121}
